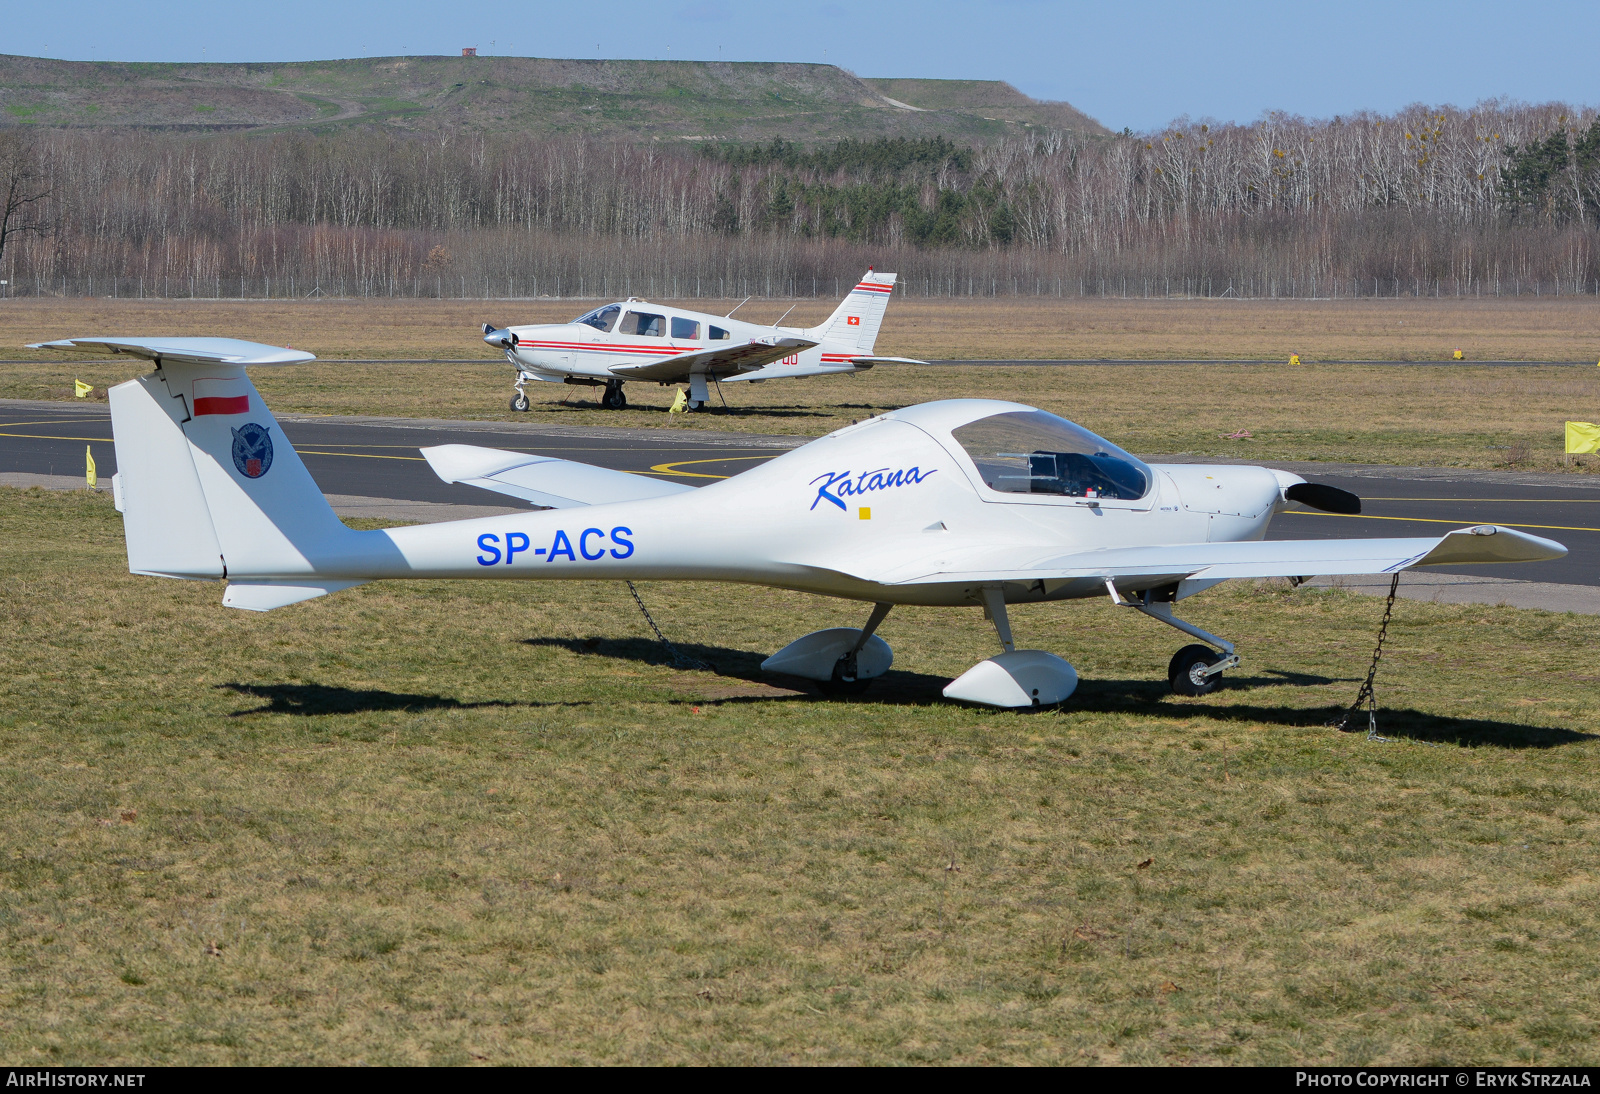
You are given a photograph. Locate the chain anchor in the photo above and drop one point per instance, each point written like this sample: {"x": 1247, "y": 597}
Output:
{"x": 1366, "y": 694}
{"x": 680, "y": 660}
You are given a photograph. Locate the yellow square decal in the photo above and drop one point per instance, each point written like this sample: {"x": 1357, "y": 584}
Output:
{"x": 866, "y": 512}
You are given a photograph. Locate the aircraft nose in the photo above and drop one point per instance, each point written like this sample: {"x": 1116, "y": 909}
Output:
{"x": 501, "y": 339}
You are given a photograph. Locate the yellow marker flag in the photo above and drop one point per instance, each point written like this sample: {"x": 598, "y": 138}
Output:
{"x": 679, "y": 402}
{"x": 89, "y": 475}
{"x": 81, "y": 389}
{"x": 1582, "y": 438}
{"x": 1294, "y": 358}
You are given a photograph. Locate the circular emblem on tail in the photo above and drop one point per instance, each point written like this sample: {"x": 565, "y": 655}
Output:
{"x": 252, "y": 450}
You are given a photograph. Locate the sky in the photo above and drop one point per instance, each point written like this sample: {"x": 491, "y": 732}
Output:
{"x": 1129, "y": 65}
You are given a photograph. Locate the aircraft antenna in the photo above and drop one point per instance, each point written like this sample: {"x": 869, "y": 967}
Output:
{"x": 785, "y": 315}
{"x": 737, "y": 306}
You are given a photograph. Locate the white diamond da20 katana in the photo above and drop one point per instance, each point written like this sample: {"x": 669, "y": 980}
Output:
{"x": 974, "y": 503}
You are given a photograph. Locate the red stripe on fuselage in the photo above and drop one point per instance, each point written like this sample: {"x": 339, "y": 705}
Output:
{"x": 602, "y": 347}
{"x": 222, "y": 404}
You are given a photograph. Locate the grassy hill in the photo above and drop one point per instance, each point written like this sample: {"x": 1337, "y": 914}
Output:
{"x": 635, "y": 100}
{"x": 992, "y": 100}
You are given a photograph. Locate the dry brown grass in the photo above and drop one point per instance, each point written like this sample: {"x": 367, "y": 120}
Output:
{"x": 487, "y": 822}
{"x": 1525, "y": 329}
{"x": 1470, "y": 416}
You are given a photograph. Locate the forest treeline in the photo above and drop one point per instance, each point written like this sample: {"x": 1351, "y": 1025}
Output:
{"x": 1500, "y": 199}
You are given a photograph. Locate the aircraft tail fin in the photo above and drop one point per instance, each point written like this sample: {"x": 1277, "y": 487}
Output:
{"x": 855, "y": 323}
{"x": 209, "y": 486}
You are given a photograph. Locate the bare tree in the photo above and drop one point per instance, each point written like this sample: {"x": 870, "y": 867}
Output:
{"x": 26, "y": 188}
{"x": 1499, "y": 198}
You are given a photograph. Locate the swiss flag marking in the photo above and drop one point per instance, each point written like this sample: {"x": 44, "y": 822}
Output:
{"x": 854, "y": 320}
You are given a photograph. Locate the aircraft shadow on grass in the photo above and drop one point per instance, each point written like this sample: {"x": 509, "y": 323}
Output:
{"x": 1099, "y": 696}
{"x": 314, "y": 699}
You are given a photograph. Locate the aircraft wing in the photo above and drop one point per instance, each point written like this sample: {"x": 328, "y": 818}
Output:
{"x": 552, "y": 483}
{"x": 1221, "y": 561}
{"x": 867, "y": 361}
{"x": 722, "y": 361}
{"x": 199, "y": 351}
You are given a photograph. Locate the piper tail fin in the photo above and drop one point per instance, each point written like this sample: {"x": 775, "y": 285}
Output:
{"x": 855, "y": 323}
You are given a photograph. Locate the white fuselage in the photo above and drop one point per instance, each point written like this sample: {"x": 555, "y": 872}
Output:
{"x": 883, "y": 498}
{"x": 554, "y": 351}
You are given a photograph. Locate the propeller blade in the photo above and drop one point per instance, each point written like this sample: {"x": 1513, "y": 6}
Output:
{"x": 1330, "y": 499}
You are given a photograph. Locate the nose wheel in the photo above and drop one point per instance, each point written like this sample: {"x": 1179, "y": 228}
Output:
{"x": 1196, "y": 670}
{"x": 519, "y": 402}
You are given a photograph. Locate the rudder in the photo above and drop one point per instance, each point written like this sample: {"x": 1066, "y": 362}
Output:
{"x": 855, "y": 322}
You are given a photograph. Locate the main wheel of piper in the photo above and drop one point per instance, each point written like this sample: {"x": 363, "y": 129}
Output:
{"x": 519, "y": 401}
{"x": 613, "y": 399}
{"x": 1186, "y": 672}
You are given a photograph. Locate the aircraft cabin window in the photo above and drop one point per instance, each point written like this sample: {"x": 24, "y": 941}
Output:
{"x": 685, "y": 328}
{"x": 717, "y": 334}
{"x": 651, "y": 326}
{"x": 1032, "y": 452}
{"x": 602, "y": 319}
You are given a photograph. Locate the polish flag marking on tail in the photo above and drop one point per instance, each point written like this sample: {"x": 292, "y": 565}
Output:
{"x": 219, "y": 395}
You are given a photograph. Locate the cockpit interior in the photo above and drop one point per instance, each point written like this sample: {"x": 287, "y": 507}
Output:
{"x": 640, "y": 323}
{"x": 1035, "y": 452}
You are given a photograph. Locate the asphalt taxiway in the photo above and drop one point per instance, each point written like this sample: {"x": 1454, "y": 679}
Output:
{"x": 372, "y": 466}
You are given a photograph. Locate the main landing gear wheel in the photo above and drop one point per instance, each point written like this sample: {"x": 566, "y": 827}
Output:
{"x": 844, "y": 681}
{"x": 519, "y": 401}
{"x": 613, "y": 399}
{"x": 1186, "y": 671}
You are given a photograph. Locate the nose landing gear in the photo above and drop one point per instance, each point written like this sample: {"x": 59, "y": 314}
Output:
{"x": 1195, "y": 669}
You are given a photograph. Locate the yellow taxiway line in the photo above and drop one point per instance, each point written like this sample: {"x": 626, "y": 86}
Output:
{"x": 668, "y": 468}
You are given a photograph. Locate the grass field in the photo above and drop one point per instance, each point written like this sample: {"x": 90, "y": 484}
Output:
{"x": 456, "y": 823}
{"x": 1465, "y": 416}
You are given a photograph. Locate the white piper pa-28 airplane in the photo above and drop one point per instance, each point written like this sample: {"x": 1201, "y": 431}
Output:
{"x": 638, "y": 340}
{"x": 961, "y": 503}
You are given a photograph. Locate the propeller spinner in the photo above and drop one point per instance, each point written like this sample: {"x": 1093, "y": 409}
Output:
{"x": 496, "y": 336}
